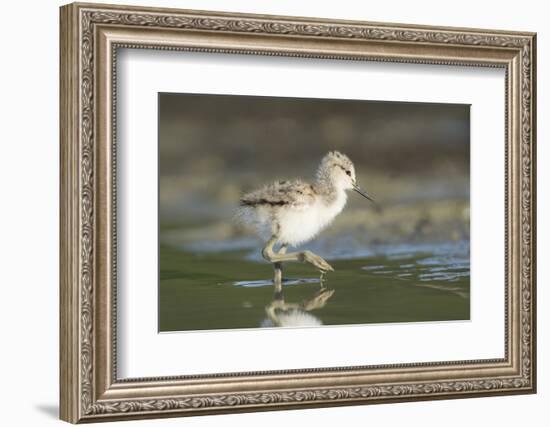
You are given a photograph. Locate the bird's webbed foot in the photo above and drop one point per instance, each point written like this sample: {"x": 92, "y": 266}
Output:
{"x": 315, "y": 260}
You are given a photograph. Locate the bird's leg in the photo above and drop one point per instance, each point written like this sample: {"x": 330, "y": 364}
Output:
{"x": 278, "y": 271}
{"x": 306, "y": 256}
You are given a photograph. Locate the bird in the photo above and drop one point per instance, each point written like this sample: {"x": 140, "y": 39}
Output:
{"x": 292, "y": 212}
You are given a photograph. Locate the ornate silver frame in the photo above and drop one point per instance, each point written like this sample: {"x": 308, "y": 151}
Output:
{"x": 90, "y": 36}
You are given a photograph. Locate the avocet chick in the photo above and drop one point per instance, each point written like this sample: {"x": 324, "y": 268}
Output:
{"x": 293, "y": 212}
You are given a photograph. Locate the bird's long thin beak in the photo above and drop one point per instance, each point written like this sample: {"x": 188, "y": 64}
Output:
{"x": 363, "y": 193}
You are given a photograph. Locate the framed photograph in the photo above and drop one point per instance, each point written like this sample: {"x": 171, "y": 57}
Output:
{"x": 266, "y": 212}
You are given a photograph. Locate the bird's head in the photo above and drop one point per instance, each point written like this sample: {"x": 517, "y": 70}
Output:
{"x": 338, "y": 169}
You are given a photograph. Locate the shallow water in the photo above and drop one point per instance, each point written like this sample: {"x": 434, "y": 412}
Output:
{"x": 214, "y": 286}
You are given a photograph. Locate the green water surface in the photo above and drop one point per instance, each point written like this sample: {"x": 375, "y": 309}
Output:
{"x": 225, "y": 290}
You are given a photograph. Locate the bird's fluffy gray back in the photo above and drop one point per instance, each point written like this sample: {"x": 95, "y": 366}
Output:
{"x": 281, "y": 193}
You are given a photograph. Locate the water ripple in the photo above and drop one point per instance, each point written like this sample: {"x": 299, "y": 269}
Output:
{"x": 286, "y": 282}
{"x": 445, "y": 262}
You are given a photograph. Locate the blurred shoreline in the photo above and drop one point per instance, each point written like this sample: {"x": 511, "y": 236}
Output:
{"x": 414, "y": 210}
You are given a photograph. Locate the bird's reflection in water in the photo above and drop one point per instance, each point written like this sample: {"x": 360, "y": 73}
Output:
{"x": 287, "y": 314}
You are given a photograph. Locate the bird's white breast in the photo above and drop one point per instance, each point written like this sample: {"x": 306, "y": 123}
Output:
{"x": 300, "y": 225}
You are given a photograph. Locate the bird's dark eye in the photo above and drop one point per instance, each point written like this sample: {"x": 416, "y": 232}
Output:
{"x": 348, "y": 173}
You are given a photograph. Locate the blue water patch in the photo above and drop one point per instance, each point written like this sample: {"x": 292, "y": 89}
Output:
{"x": 425, "y": 262}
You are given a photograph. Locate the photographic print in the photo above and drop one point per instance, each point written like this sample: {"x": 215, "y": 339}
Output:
{"x": 294, "y": 212}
